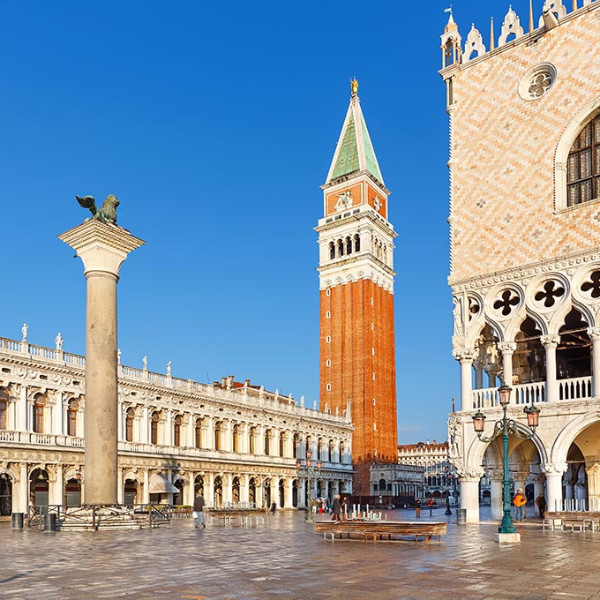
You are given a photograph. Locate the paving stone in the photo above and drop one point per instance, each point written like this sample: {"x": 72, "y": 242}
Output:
{"x": 286, "y": 559}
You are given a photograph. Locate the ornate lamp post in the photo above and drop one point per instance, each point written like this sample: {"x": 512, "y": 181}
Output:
{"x": 504, "y": 427}
{"x": 306, "y": 470}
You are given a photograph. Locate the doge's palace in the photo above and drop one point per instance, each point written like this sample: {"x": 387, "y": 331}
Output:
{"x": 235, "y": 442}
{"x": 524, "y": 216}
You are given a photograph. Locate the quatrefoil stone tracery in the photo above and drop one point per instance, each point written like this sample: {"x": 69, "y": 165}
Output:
{"x": 508, "y": 299}
{"x": 592, "y": 286}
{"x": 550, "y": 293}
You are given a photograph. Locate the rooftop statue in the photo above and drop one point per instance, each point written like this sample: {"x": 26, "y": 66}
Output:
{"x": 354, "y": 86}
{"x": 108, "y": 211}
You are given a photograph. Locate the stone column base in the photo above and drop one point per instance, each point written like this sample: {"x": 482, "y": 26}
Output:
{"x": 508, "y": 538}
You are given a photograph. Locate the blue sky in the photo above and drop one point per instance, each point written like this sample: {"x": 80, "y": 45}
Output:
{"x": 215, "y": 124}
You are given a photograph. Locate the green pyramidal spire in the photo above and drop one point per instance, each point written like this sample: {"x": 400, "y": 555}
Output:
{"x": 354, "y": 151}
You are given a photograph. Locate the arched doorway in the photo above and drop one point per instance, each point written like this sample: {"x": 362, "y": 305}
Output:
{"x": 5, "y": 494}
{"x": 199, "y": 486}
{"x": 178, "y": 495}
{"x": 252, "y": 492}
{"x": 235, "y": 490}
{"x": 130, "y": 492}
{"x": 267, "y": 492}
{"x": 295, "y": 493}
{"x": 218, "y": 497}
{"x": 38, "y": 487}
{"x": 281, "y": 493}
{"x": 72, "y": 493}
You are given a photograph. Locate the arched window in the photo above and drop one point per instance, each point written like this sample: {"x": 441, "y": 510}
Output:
{"x": 236, "y": 437}
{"x": 348, "y": 245}
{"x": 320, "y": 449}
{"x": 281, "y": 444}
{"x": 268, "y": 434}
{"x": 39, "y": 403}
{"x": 295, "y": 444}
{"x": 583, "y": 166}
{"x": 72, "y": 418}
{"x": 177, "y": 431}
{"x": 331, "y": 447}
{"x": 342, "y": 452}
{"x": 357, "y": 243}
{"x": 198, "y": 433}
{"x": 218, "y": 428}
{"x": 309, "y": 444}
{"x": 3, "y": 408}
{"x": 331, "y": 250}
{"x": 154, "y": 427}
{"x": 252, "y": 437}
{"x": 129, "y": 419}
{"x": 340, "y": 248}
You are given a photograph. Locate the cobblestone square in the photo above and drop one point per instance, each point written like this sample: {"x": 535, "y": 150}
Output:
{"x": 286, "y": 559}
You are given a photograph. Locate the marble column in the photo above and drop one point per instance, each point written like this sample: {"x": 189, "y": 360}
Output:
{"x": 23, "y": 503}
{"x": 507, "y": 349}
{"x": 469, "y": 493}
{"x": 496, "y": 497}
{"x": 593, "y": 473}
{"x": 146, "y": 487}
{"x": 594, "y": 333}
{"x": 465, "y": 357}
{"x": 102, "y": 248}
{"x": 210, "y": 498}
{"x": 288, "y": 493}
{"x": 554, "y": 474}
{"x": 58, "y": 486}
{"x": 120, "y": 487}
{"x": 244, "y": 488}
{"x": 550, "y": 343}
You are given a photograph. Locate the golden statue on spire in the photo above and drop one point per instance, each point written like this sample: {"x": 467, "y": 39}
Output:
{"x": 354, "y": 86}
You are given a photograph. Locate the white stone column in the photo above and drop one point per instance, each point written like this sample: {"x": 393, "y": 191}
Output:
{"x": 146, "y": 487}
{"x": 496, "y": 497}
{"x": 168, "y": 428}
{"x": 208, "y": 433}
{"x": 188, "y": 489}
{"x": 550, "y": 343}
{"x": 190, "y": 431}
{"x": 302, "y": 493}
{"x": 275, "y": 491}
{"x": 244, "y": 488}
{"x": 120, "y": 490}
{"x": 593, "y": 473}
{"x": 102, "y": 248}
{"x": 227, "y": 480}
{"x": 465, "y": 358}
{"x": 58, "y": 415}
{"x": 259, "y": 493}
{"x": 57, "y": 487}
{"x": 554, "y": 474}
{"x": 469, "y": 493}
{"x": 21, "y": 410}
{"x": 23, "y": 501}
{"x": 288, "y": 492}
{"x": 227, "y": 436}
{"x": 210, "y": 498}
{"x": 507, "y": 349}
{"x": 145, "y": 426}
{"x": 594, "y": 333}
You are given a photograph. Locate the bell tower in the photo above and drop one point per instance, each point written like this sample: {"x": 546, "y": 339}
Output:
{"x": 356, "y": 276}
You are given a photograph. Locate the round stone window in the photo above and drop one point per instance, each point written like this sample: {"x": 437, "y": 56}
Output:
{"x": 537, "y": 81}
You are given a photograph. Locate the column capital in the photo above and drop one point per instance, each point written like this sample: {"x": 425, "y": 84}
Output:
{"x": 554, "y": 468}
{"x": 470, "y": 473}
{"x": 507, "y": 347}
{"x": 465, "y": 354}
{"x": 551, "y": 340}
{"x": 101, "y": 247}
{"x": 594, "y": 333}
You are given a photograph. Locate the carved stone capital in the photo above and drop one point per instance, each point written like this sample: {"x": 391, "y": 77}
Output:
{"x": 465, "y": 354}
{"x": 594, "y": 333}
{"x": 507, "y": 347}
{"x": 554, "y": 468}
{"x": 551, "y": 340}
{"x": 470, "y": 473}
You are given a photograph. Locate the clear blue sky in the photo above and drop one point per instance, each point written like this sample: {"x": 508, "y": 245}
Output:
{"x": 215, "y": 124}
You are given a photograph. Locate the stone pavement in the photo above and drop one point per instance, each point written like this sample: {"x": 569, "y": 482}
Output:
{"x": 287, "y": 560}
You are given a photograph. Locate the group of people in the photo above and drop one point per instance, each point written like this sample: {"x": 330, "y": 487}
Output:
{"x": 520, "y": 500}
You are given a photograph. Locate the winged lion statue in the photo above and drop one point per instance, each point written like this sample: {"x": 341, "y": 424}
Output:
{"x": 108, "y": 211}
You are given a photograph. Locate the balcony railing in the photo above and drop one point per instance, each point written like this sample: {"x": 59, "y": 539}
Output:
{"x": 42, "y": 439}
{"x": 579, "y": 388}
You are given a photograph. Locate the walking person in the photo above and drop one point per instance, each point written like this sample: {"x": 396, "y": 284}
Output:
{"x": 430, "y": 506}
{"x": 519, "y": 502}
{"x": 336, "y": 508}
{"x": 540, "y": 502}
{"x": 198, "y": 513}
{"x": 418, "y": 509}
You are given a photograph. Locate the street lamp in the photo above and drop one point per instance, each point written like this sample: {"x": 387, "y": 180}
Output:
{"x": 505, "y": 426}
{"x": 309, "y": 472}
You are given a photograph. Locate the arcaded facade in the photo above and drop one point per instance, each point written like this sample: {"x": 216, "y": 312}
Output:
{"x": 524, "y": 218}
{"x": 235, "y": 442}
